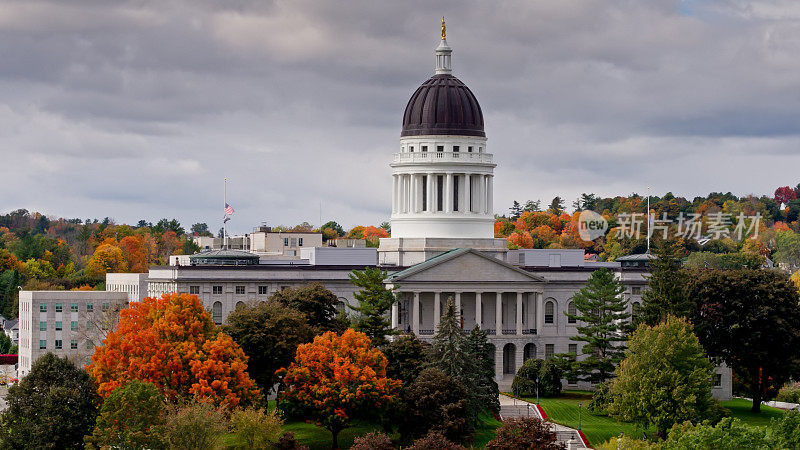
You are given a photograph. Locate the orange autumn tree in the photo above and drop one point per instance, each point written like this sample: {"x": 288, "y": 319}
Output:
{"x": 336, "y": 379}
{"x": 172, "y": 343}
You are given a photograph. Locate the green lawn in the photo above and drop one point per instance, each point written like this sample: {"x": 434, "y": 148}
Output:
{"x": 598, "y": 429}
{"x": 740, "y": 408}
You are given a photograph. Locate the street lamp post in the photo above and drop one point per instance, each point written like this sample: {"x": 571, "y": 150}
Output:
{"x": 537, "y": 389}
{"x": 579, "y": 416}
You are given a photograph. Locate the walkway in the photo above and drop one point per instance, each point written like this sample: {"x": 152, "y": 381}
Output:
{"x": 512, "y": 407}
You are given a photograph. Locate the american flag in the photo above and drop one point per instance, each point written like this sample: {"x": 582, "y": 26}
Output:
{"x": 228, "y": 209}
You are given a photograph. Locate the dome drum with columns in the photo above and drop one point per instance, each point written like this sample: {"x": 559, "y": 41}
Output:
{"x": 443, "y": 176}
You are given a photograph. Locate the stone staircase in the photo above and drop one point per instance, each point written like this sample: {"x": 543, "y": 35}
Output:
{"x": 510, "y": 407}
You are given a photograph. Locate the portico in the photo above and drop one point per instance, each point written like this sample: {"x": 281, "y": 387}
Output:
{"x": 504, "y": 301}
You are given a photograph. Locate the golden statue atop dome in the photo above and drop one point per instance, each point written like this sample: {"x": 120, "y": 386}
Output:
{"x": 443, "y": 33}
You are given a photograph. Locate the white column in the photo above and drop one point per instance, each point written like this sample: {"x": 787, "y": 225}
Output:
{"x": 430, "y": 193}
{"x": 519, "y": 314}
{"x": 448, "y": 193}
{"x": 539, "y": 313}
{"x": 479, "y": 205}
{"x": 498, "y": 315}
{"x": 395, "y": 312}
{"x": 458, "y": 307}
{"x": 415, "y": 312}
{"x": 467, "y": 200}
{"x": 414, "y": 193}
{"x": 479, "y": 309}
{"x": 490, "y": 195}
{"x": 437, "y": 309}
{"x": 394, "y": 194}
{"x": 404, "y": 193}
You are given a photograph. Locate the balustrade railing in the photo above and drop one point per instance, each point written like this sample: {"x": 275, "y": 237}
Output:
{"x": 465, "y": 157}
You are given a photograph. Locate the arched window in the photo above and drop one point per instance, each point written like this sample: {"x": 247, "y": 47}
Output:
{"x": 549, "y": 311}
{"x": 528, "y": 352}
{"x": 635, "y": 309}
{"x": 238, "y": 304}
{"x": 572, "y": 310}
{"x": 216, "y": 312}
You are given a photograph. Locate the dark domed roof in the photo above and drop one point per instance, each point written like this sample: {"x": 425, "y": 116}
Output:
{"x": 443, "y": 105}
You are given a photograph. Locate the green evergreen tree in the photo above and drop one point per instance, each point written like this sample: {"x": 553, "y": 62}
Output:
{"x": 666, "y": 293}
{"x": 5, "y": 344}
{"x": 374, "y": 303}
{"x": 601, "y": 308}
{"x": 479, "y": 374}
{"x": 447, "y": 351}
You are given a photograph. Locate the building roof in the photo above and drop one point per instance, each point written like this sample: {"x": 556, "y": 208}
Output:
{"x": 443, "y": 105}
{"x": 452, "y": 254}
{"x": 224, "y": 257}
{"x": 637, "y": 257}
{"x": 11, "y": 324}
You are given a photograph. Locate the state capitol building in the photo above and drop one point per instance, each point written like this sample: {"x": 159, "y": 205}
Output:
{"x": 442, "y": 247}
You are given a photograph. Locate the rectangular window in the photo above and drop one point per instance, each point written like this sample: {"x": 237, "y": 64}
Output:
{"x": 636, "y": 290}
{"x": 43, "y": 307}
{"x": 73, "y": 307}
{"x": 299, "y": 242}
{"x": 89, "y": 307}
{"x": 456, "y": 149}
{"x": 59, "y": 307}
{"x": 455, "y": 192}
{"x": 285, "y": 242}
{"x": 59, "y": 325}
{"x": 105, "y": 306}
{"x": 194, "y": 290}
{"x": 424, "y": 148}
{"x": 549, "y": 351}
{"x": 573, "y": 348}
{"x": 42, "y": 344}
{"x": 59, "y": 344}
{"x": 440, "y": 148}
{"x": 294, "y": 242}
{"x": 73, "y": 325}
{"x": 411, "y": 149}
{"x": 239, "y": 290}
{"x": 216, "y": 290}
{"x": 440, "y": 193}
{"x": 717, "y": 380}
{"x": 262, "y": 290}
{"x": 73, "y": 344}
{"x": 42, "y": 326}
{"x": 89, "y": 345}
{"x": 469, "y": 149}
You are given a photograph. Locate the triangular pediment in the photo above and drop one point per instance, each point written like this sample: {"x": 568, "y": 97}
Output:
{"x": 464, "y": 265}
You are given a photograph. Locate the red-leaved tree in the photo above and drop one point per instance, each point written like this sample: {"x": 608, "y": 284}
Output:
{"x": 172, "y": 343}
{"x": 336, "y": 379}
{"x": 785, "y": 194}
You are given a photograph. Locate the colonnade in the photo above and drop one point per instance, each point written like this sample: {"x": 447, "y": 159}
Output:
{"x": 446, "y": 192}
{"x": 515, "y": 300}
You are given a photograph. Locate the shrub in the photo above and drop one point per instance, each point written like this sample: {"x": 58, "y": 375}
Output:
{"x": 600, "y": 399}
{"x": 546, "y": 372}
{"x": 789, "y": 393}
{"x": 372, "y": 441}
{"x": 196, "y": 425}
{"x": 522, "y": 432}
{"x": 785, "y": 432}
{"x": 434, "y": 401}
{"x": 130, "y": 417}
{"x": 727, "y": 434}
{"x": 288, "y": 442}
{"x": 434, "y": 441}
{"x": 627, "y": 443}
{"x": 255, "y": 429}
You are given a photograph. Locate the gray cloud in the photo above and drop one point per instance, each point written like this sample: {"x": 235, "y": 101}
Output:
{"x": 138, "y": 109}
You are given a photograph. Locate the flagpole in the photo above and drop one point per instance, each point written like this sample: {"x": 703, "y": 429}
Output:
{"x": 225, "y": 205}
{"x": 648, "y": 219}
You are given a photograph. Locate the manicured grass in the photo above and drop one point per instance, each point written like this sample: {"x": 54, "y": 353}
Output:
{"x": 740, "y": 408}
{"x": 485, "y": 431}
{"x": 598, "y": 429}
{"x": 320, "y": 438}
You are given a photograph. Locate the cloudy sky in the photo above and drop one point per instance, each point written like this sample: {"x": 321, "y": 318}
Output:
{"x": 138, "y": 109}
